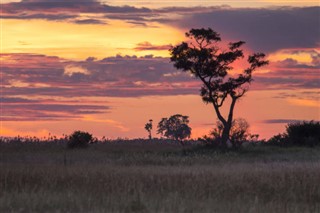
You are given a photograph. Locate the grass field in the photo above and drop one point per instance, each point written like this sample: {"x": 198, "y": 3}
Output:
{"x": 157, "y": 177}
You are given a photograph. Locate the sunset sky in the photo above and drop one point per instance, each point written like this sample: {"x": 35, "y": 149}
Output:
{"x": 103, "y": 66}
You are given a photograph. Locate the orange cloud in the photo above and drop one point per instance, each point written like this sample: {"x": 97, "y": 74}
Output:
{"x": 75, "y": 41}
{"x": 305, "y": 102}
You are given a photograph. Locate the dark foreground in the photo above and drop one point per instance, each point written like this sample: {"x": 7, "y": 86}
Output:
{"x": 149, "y": 177}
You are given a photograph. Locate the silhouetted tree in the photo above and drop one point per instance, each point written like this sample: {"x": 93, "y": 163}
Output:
{"x": 79, "y": 139}
{"x": 148, "y": 127}
{"x": 204, "y": 59}
{"x": 176, "y": 127}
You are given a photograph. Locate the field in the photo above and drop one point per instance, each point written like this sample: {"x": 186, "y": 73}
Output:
{"x": 142, "y": 176}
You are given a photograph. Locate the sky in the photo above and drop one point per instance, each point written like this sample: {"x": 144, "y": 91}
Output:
{"x": 103, "y": 66}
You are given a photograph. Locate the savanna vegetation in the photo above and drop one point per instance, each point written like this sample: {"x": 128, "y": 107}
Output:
{"x": 158, "y": 175}
{"x": 230, "y": 170}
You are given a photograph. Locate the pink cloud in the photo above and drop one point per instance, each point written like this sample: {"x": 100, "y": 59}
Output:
{"x": 35, "y": 85}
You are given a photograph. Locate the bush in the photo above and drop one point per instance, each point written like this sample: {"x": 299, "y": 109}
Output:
{"x": 239, "y": 133}
{"x": 298, "y": 134}
{"x": 210, "y": 142}
{"x": 278, "y": 140}
{"x": 304, "y": 133}
{"x": 79, "y": 139}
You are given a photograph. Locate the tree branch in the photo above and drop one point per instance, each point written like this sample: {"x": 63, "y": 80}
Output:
{"x": 220, "y": 117}
{"x": 222, "y": 100}
{"x": 240, "y": 94}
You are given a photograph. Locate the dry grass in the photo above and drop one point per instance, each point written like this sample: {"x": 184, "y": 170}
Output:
{"x": 149, "y": 177}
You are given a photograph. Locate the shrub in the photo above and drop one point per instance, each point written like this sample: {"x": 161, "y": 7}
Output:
{"x": 304, "y": 133}
{"x": 239, "y": 133}
{"x": 278, "y": 140}
{"x": 79, "y": 139}
{"x": 298, "y": 134}
{"x": 210, "y": 142}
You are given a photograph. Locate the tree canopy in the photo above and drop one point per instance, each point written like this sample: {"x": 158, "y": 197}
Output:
{"x": 206, "y": 60}
{"x": 176, "y": 127}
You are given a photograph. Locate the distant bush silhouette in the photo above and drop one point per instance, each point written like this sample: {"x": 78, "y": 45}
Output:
{"x": 304, "y": 133}
{"x": 278, "y": 140}
{"x": 79, "y": 139}
{"x": 176, "y": 127}
{"x": 298, "y": 134}
{"x": 210, "y": 142}
{"x": 239, "y": 132}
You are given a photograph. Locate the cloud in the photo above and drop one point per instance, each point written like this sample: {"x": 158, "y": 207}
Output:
{"x": 71, "y": 70}
{"x": 304, "y": 102}
{"x": 40, "y": 77}
{"x": 306, "y": 98}
{"x": 23, "y": 109}
{"x": 111, "y": 122}
{"x": 82, "y": 6}
{"x": 89, "y": 21}
{"x": 39, "y": 87}
{"x": 50, "y": 17}
{"x": 285, "y": 82}
{"x": 280, "y": 121}
{"x": 298, "y": 70}
{"x": 128, "y": 76}
{"x": 14, "y": 100}
{"x": 265, "y": 29}
{"x": 69, "y": 10}
{"x": 112, "y": 76}
{"x": 316, "y": 59}
{"x": 148, "y": 46}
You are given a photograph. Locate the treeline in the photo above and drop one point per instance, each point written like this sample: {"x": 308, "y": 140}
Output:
{"x": 305, "y": 133}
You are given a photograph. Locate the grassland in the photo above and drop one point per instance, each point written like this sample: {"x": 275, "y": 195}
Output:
{"x": 141, "y": 176}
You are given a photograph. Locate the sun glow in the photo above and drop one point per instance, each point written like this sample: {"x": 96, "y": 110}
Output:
{"x": 68, "y": 40}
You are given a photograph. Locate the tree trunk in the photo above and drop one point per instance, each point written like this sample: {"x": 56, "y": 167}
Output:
{"x": 225, "y": 135}
{"x": 150, "y": 137}
{"x": 227, "y": 124}
{"x": 180, "y": 141}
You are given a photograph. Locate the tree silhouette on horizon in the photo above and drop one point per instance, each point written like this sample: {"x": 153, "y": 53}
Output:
{"x": 148, "y": 127}
{"x": 204, "y": 59}
{"x": 175, "y": 127}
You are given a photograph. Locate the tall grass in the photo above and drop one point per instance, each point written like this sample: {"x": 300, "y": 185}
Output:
{"x": 157, "y": 177}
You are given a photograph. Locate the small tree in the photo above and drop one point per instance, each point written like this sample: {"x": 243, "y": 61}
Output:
{"x": 148, "y": 127}
{"x": 79, "y": 139}
{"x": 204, "y": 59}
{"x": 176, "y": 127}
